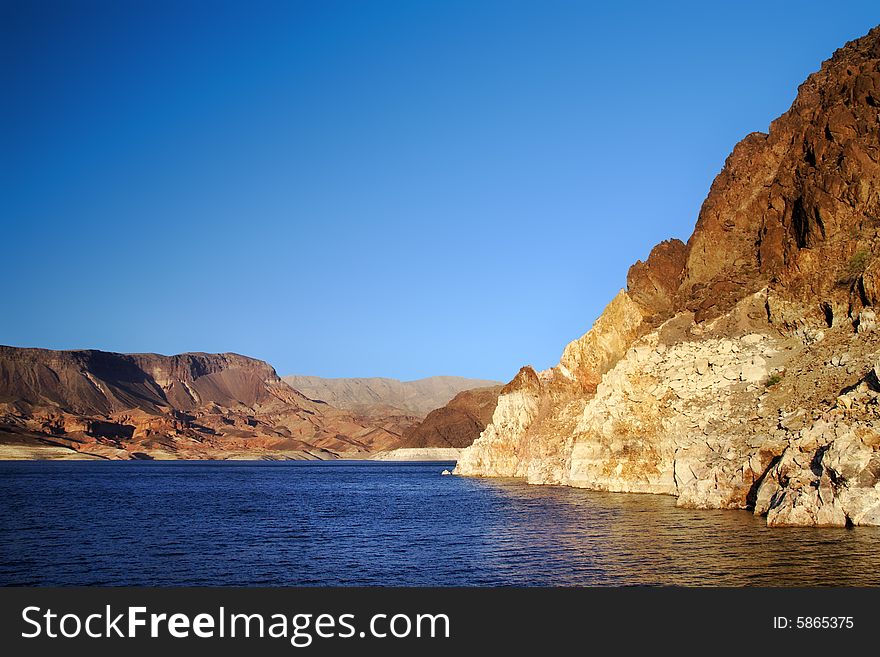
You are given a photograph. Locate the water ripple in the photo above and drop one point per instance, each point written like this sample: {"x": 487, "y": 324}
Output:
{"x": 314, "y": 524}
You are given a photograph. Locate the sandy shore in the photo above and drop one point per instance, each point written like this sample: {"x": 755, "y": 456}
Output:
{"x": 418, "y": 454}
{"x": 28, "y": 448}
{"x": 23, "y": 446}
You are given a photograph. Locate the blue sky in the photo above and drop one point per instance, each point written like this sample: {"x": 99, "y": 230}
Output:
{"x": 368, "y": 188}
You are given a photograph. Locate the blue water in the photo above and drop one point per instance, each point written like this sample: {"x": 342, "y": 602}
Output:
{"x": 391, "y": 524}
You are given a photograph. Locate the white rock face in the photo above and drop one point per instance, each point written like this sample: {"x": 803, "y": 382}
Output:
{"x": 591, "y": 355}
{"x": 516, "y": 444}
{"x": 495, "y": 453}
{"x": 689, "y": 419}
{"x": 662, "y": 423}
{"x": 867, "y": 321}
{"x": 829, "y": 474}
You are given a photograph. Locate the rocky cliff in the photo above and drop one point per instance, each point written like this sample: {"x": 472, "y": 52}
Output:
{"x": 739, "y": 370}
{"x": 151, "y": 406}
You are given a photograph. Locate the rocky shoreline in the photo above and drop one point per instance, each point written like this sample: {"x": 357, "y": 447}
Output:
{"x": 740, "y": 370}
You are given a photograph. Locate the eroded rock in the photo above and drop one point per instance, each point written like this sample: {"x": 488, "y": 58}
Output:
{"x": 679, "y": 387}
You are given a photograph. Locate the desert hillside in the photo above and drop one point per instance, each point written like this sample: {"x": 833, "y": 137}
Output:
{"x": 191, "y": 405}
{"x": 740, "y": 370}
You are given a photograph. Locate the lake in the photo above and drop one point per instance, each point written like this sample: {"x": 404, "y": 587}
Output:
{"x": 297, "y": 523}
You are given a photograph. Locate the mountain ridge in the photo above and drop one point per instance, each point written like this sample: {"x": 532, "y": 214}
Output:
{"x": 369, "y": 395}
{"x": 192, "y": 405}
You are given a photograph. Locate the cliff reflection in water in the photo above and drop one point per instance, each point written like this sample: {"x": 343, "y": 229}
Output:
{"x": 580, "y": 537}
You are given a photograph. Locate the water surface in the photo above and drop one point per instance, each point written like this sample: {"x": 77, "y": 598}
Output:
{"x": 391, "y": 524}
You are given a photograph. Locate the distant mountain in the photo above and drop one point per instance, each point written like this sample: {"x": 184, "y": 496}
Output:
{"x": 458, "y": 423}
{"x": 381, "y": 396}
{"x": 192, "y": 405}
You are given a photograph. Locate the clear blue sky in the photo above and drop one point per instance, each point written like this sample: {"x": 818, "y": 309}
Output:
{"x": 368, "y": 188}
